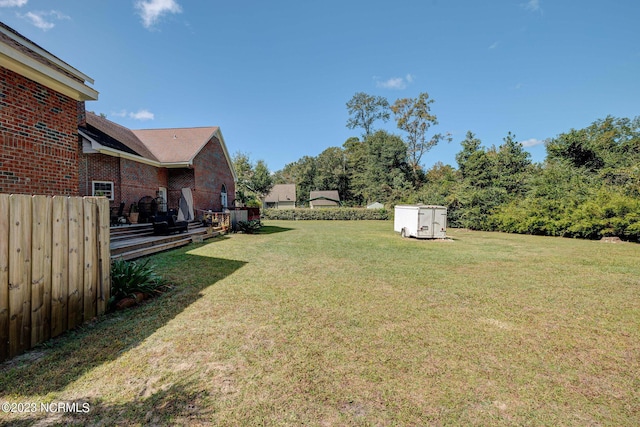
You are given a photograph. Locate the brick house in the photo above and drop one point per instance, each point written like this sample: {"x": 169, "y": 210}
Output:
{"x": 126, "y": 165}
{"x": 41, "y": 106}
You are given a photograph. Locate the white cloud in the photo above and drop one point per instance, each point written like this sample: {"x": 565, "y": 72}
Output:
{"x": 13, "y": 3}
{"x": 397, "y": 83}
{"x": 532, "y": 142}
{"x": 152, "y": 10}
{"x": 493, "y": 46}
{"x": 121, "y": 113}
{"x": 142, "y": 115}
{"x": 533, "y": 6}
{"x": 44, "y": 20}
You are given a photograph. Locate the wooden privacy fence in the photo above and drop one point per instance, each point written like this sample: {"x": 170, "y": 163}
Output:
{"x": 55, "y": 270}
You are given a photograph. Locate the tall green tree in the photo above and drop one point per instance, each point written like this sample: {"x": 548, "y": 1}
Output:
{"x": 355, "y": 152}
{"x": 244, "y": 171}
{"x": 261, "y": 182}
{"x": 413, "y": 116}
{"x": 513, "y": 165}
{"x": 477, "y": 195}
{"x": 386, "y": 173}
{"x": 331, "y": 171}
{"x": 364, "y": 110}
{"x": 254, "y": 180}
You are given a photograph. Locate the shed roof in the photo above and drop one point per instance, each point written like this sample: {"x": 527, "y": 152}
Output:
{"x": 282, "y": 193}
{"x": 324, "y": 198}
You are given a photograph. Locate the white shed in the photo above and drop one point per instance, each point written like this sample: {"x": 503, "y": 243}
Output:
{"x": 421, "y": 221}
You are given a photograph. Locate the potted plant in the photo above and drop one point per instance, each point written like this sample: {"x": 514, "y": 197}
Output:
{"x": 133, "y": 214}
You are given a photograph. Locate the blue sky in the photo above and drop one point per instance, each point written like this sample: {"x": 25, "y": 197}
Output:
{"x": 275, "y": 76}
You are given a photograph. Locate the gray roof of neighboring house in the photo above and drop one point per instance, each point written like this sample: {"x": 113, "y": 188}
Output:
{"x": 325, "y": 198}
{"x": 282, "y": 193}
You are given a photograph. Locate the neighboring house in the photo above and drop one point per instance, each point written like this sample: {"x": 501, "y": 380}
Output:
{"x": 282, "y": 196}
{"x": 324, "y": 199}
{"x": 375, "y": 205}
{"x": 126, "y": 165}
{"x": 41, "y": 106}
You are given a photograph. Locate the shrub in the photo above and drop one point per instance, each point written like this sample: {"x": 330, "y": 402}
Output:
{"x": 129, "y": 277}
{"x": 354, "y": 214}
{"x": 249, "y": 227}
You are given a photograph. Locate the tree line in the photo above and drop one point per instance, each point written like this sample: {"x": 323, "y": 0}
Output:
{"x": 588, "y": 186}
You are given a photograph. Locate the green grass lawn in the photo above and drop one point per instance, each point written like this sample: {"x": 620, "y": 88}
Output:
{"x": 345, "y": 323}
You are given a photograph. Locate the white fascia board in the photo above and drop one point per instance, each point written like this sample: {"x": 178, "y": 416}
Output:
{"x": 218, "y": 134}
{"x": 133, "y": 157}
{"x": 22, "y": 64}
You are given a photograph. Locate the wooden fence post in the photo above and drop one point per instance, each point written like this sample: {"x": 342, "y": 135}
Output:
{"x": 40, "y": 269}
{"x": 19, "y": 274}
{"x": 76, "y": 257}
{"x": 90, "y": 258}
{"x": 4, "y": 276}
{"x": 59, "y": 265}
{"x": 104, "y": 257}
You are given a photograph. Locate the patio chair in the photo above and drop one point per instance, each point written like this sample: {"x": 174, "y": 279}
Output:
{"x": 147, "y": 208}
{"x": 167, "y": 223}
{"x": 117, "y": 214}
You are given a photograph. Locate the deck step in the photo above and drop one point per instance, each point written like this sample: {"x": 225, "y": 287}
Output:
{"x": 130, "y": 242}
{"x": 149, "y": 250}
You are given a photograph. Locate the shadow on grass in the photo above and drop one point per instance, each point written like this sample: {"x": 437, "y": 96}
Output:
{"x": 180, "y": 404}
{"x": 55, "y": 364}
{"x": 272, "y": 229}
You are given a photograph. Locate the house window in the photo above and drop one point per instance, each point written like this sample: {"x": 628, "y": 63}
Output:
{"x": 103, "y": 188}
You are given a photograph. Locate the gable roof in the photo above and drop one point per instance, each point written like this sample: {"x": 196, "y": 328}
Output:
{"x": 171, "y": 148}
{"x": 177, "y": 145}
{"x": 22, "y": 56}
{"x": 282, "y": 193}
{"x": 324, "y": 198}
{"x": 112, "y": 135}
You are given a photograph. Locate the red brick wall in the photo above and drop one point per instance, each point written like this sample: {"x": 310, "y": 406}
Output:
{"x": 211, "y": 172}
{"x": 179, "y": 179}
{"x": 133, "y": 180}
{"x": 38, "y": 138}
{"x": 139, "y": 180}
{"x": 100, "y": 167}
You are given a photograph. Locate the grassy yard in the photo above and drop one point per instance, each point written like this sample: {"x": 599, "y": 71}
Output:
{"x": 345, "y": 323}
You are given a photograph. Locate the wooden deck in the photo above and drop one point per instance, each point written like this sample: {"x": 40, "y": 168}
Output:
{"x": 137, "y": 240}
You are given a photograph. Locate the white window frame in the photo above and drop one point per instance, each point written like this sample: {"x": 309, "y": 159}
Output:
{"x": 107, "y": 193}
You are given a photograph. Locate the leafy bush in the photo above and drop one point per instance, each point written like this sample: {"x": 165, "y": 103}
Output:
{"x": 342, "y": 214}
{"x": 605, "y": 213}
{"x": 249, "y": 227}
{"x": 129, "y": 277}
